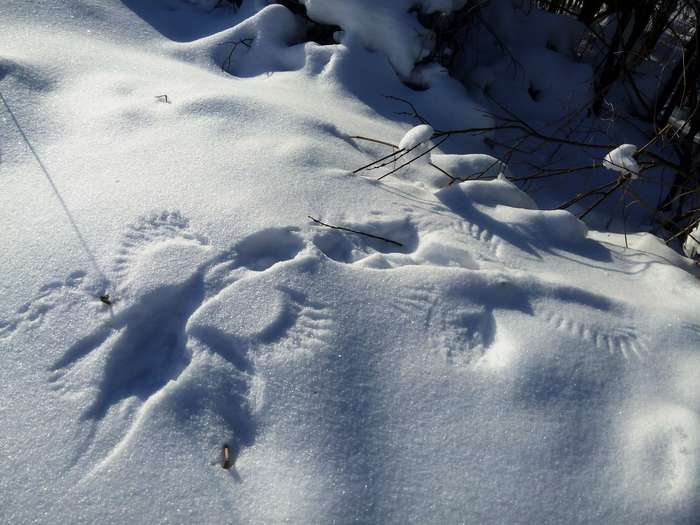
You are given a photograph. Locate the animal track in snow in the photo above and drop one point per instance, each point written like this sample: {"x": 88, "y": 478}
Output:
{"x": 662, "y": 447}
{"x": 262, "y": 249}
{"x": 348, "y": 247}
{"x": 143, "y": 344}
{"x": 165, "y": 273}
{"x": 492, "y": 243}
{"x": 463, "y": 326}
{"x": 436, "y": 247}
{"x": 50, "y": 295}
{"x": 460, "y": 330}
{"x": 416, "y": 304}
{"x": 314, "y": 325}
{"x": 147, "y": 232}
{"x": 478, "y": 240}
{"x": 465, "y": 333}
{"x": 596, "y": 328}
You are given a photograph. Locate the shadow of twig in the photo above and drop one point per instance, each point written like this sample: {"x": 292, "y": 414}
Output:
{"x": 69, "y": 215}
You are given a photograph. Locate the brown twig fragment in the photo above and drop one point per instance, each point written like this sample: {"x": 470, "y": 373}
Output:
{"x": 355, "y": 231}
{"x": 226, "y": 452}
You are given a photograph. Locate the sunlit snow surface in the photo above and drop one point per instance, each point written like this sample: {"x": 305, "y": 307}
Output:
{"x": 495, "y": 364}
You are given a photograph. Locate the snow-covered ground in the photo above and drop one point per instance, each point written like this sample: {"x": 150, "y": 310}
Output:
{"x": 484, "y": 362}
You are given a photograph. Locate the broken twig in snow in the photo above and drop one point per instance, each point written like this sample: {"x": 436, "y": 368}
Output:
{"x": 414, "y": 158}
{"x": 226, "y": 452}
{"x": 247, "y": 42}
{"x": 355, "y": 231}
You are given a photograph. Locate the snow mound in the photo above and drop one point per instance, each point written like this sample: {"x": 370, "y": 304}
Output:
{"x": 388, "y": 26}
{"x": 458, "y": 356}
{"x": 622, "y": 160}
{"x": 499, "y": 191}
{"x": 416, "y": 136}
{"x": 474, "y": 165}
{"x": 263, "y": 43}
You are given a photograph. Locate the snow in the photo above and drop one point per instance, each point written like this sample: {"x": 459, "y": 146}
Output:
{"x": 472, "y": 165}
{"x": 691, "y": 246}
{"x": 388, "y": 26}
{"x": 496, "y": 362}
{"x": 622, "y": 160}
{"x": 540, "y": 77}
{"x": 416, "y": 136}
{"x": 489, "y": 193}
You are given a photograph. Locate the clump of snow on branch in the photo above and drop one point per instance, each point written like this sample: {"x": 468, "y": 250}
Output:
{"x": 622, "y": 160}
{"x": 691, "y": 246}
{"x": 416, "y": 136}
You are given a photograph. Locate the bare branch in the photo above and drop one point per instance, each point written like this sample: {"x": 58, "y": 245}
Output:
{"x": 354, "y": 231}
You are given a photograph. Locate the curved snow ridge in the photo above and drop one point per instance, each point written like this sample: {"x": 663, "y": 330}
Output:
{"x": 499, "y": 207}
{"x": 471, "y": 166}
{"x": 29, "y": 74}
{"x": 265, "y": 42}
{"x": 389, "y": 27}
{"x": 499, "y": 191}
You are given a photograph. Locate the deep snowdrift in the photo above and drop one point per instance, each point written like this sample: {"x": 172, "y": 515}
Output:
{"x": 494, "y": 363}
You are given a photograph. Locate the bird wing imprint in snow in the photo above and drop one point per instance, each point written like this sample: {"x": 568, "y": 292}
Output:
{"x": 600, "y": 322}
{"x": 459, "y": 330}
{"x": 463, "y": 324}
{"x": 148, "y": 342}
{"x": 160, "y": 321}
{"x": 50, "y": 295}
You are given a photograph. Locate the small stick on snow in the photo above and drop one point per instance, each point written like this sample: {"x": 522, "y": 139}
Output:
{"x": 414, "y": 158}
{"x": 379, "y": 160}
{"x": 359, "y": 137}
{"x": 376, "y": 141}
{"x": 227, "y": 457}
{"x": 354, "y": 231}
{"x": 392, "y": 161}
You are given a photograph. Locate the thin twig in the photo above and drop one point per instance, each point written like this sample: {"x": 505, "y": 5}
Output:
{"x": 414, "y": 158}
{"x": 227, "y": 63}
{"x": 453, "y": 179}
{"x": 354, "y": 231}
{"x": 619, "y": 182}
{"x": 399, "y": 156}
{"x": 415, "y": 113}
{"x": 376, "y": 141}
{"x": 367, "y": 166}
{"x": 583, "y": 195}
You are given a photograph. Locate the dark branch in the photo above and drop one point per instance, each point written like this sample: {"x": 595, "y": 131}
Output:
{"x": 354, "y": 231}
